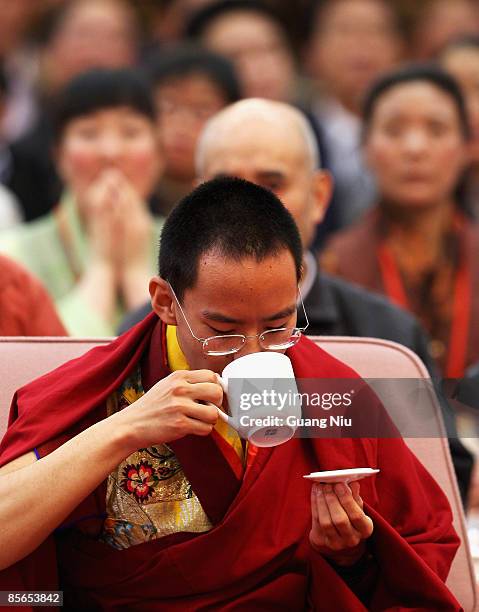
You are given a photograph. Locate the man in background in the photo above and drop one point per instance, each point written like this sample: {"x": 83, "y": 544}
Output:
{"x": 190, "y": 84}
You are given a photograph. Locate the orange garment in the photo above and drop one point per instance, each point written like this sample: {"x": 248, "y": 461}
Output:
{"x": 26, "y": 309}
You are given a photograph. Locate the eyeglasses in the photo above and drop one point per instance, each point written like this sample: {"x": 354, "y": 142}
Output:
{"x": 270, "y": 340}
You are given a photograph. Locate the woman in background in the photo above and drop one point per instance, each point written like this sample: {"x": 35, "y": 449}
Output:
{"x": 417, "y": 246}
{"x": 97, "y": 250}
{"x": 461, "y": 59}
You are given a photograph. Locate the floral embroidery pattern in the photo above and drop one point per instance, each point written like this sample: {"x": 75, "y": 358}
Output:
{"x": 168, "y": 463}
{"x": 148, "y": 495}
{"x": 139, "y": 480}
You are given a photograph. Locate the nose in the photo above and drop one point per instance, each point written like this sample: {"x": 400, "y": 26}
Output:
{"x": 251, "y": 345}
{"x": 110, "y": 146}
{"x": 415, "y": 142}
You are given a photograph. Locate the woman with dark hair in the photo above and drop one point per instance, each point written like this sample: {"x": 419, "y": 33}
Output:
{"x": 461, "y": 59}
{"x": 96, "y": 251}
{"x": 417, "y": 246}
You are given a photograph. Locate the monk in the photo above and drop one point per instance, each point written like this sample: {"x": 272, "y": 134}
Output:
{"x": 139, "y": 497}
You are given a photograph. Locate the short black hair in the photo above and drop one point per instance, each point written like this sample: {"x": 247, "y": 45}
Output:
{"x": 53, "y": 19}
{"x": 185, "y": 60}
{"x": 429, "y": 73}
{"x": 100, "y": 89}
{"x": 239, "y": 218}
{"x": 315, "y": 11}
{"x": 204, "y": 17}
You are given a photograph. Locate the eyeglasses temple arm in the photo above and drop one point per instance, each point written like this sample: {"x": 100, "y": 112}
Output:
{"x": 184, "y": 316}
{"x": 304, "y": 311}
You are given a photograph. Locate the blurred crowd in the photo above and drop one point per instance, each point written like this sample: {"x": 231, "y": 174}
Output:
{"x": 102, "y": 103}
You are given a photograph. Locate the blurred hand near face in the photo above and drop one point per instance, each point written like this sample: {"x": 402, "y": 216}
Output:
{"x": 133, "y": 224}
{"x": 133, "y": 228}
{"x": 119, "y": 228}
{"x": 101, "y": 217}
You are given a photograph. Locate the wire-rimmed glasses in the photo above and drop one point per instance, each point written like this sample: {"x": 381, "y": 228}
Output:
{"x": 278, "y": 339}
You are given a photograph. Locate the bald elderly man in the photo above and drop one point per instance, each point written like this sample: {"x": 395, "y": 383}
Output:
{"x": 272, "y": 144}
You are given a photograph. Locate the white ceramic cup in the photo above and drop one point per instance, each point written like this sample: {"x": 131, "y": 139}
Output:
{"x": 263, "y": 398}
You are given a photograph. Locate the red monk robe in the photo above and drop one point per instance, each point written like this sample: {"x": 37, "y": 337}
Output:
{"x": 257, "y": 556}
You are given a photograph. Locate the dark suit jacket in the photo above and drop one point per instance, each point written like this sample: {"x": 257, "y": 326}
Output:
{"x": 467, "y": 391}
{"x": 34, "y": 179}
{"x": 338, "y": 308}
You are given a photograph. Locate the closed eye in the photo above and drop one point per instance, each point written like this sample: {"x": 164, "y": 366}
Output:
{"x": 221, "y": 332}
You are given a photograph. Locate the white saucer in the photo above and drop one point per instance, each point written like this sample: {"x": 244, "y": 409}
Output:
{"x": 346, "y": 476}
